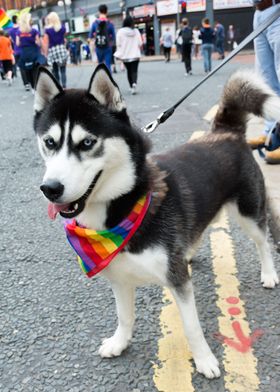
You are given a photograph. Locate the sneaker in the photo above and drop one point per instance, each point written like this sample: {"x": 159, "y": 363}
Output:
{"x": 273, "y": 156}
{"x": 27, "y": 87}
{"x": 9, "y": 82}
{"x": 258, "y": 141}
{"x": 133, "y": 89}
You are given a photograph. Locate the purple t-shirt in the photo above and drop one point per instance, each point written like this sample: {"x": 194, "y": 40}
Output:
{"x": 13, "y": 33}
{"x": 27, "y": 39}
{"x": 56, "y": 37}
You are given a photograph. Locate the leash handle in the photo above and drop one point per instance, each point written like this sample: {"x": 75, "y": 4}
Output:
{"x": 152, "y": 126}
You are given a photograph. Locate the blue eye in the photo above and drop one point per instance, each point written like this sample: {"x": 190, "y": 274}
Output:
{"x": 87, "y": 144}
{"x": 50, "y": 143}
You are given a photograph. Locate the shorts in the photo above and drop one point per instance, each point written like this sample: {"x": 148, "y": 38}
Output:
{"x": 7, "y": 66}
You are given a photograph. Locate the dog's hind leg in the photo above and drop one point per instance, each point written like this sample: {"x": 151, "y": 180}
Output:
{"x": 256, "y": 228}
{"x": 125, "y": 296}
{"x": 205, "y": 361}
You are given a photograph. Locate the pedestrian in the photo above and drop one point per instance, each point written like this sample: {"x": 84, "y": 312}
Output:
{"x": 207, "y": 35}
{"x": 196, "y": 43}
{"x": 267, "y": 57}
{"x": 167, "y": 42}
{"x": 103, "y": 33}
{"x": 6, "y": 56}
{"x": 179, "y": 42}
{"x": 129, "y": 44}
{"x": 231, "y": 38}
{"x": 28, "y": 41}
{"x": 56, "y": 51}
{"x": 220, "y": 40}
{"x": 187, "y": 41}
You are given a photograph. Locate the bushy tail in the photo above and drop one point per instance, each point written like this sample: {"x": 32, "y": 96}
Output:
{"x": 245, "y": 93}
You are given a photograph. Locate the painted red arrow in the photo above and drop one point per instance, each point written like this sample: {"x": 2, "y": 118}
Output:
{"x": 244, "y": 343}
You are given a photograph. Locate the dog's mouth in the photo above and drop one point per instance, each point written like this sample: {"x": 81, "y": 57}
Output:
{"x": 70, "y": 210}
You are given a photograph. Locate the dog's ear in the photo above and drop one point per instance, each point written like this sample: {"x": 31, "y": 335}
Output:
{"x": 105, "y": 90}
{"x": 46, "y": 89}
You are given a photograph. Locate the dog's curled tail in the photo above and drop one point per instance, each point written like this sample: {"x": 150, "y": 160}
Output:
{"x": 245, "y": 93}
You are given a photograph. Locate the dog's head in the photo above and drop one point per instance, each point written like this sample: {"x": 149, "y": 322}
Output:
{"x": 91, "y": 151}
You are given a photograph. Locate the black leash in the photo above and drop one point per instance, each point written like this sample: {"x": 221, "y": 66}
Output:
{"x": 151, "y": 127}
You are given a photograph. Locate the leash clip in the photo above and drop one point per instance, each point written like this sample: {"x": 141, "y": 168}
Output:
{"x": 152, "y": 126}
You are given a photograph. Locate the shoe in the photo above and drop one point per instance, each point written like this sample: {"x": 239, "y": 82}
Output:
{"x": 27, "y": 87}
{"x": 9, "y": 82}
{"x": 133, "y": 89}
{"x": 188, "y": 73}
{"x": 258, "y": 141}
{"x": 273, "y": 156}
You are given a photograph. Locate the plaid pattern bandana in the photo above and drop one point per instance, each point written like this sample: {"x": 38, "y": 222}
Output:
{"x": 96, "y": 249}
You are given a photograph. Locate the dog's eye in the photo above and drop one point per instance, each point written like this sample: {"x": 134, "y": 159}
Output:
{"x": 87, "y": 144}
{"x": 50, "y": 143}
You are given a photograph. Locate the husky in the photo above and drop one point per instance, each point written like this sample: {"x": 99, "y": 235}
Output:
{"x": 98, "y": 165}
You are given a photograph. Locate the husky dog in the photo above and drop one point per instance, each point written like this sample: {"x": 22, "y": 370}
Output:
{"x": 97, "y": 167}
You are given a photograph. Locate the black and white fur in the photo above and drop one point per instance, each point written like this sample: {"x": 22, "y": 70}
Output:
{"x": 82, "y": 133}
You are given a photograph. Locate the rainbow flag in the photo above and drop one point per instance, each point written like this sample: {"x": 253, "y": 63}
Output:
{"x": 96, "y": 249}
{"x": 5, "y": 21}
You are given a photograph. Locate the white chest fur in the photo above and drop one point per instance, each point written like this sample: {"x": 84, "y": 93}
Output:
{"x": 149, "y": 266}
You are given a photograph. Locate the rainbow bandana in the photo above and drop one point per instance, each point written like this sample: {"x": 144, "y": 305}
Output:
{"x": 96, "y": 249}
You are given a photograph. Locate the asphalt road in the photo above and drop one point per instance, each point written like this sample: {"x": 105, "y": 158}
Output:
{"x": 52, "y": 318}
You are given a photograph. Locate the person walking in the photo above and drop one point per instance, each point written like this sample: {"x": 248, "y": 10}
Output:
{"x": 187, "y": 41}
{"x": 55, "y": 48}
{"x": 167, "y": 42}
{"x": 102, "y": 32}
{"x": 196, "y": 43}
{"x": 6, "y": 57}
{"x": 267, "y": 57}
{"x": 207, "y": 35}
{"x": 28, "y": 41}
{"x": 129, "y": 44}
{"x": 220, "y": 40}
{"x": 231, "y": 38}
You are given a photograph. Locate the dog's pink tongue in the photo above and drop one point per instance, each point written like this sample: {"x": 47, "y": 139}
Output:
{"x": 54, "y": 209}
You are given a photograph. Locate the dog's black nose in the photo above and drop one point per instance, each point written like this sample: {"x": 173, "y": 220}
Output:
{"x": 52, "y": 189}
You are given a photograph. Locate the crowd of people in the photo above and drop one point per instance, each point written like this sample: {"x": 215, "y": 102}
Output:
{"x": 22, "y": 47}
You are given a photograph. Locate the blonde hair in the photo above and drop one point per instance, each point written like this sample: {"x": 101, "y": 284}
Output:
{"x": 53, "y": 21}
{"x": 25, "y": 23}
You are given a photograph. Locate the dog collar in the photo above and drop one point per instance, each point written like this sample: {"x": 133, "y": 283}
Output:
{"x": 97, "y": 248}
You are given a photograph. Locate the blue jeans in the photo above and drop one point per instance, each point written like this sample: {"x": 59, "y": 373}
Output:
{"x": 104, "y": 56}
{"x": 207, "y": 50}
{"x": 220, "y": 47}
{"x": 267, "y": 50}
{"x": 62, "y": 69}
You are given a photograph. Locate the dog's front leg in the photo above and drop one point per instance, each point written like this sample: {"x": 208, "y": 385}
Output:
{"x": 205, "y": 361}
{"x": 113, "y": 346}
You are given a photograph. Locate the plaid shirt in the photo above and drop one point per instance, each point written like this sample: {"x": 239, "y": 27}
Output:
{"x": 57, "y": 54}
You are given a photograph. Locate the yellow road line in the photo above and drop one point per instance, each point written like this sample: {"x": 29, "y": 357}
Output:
{"x": 211, "y": 113}
{"x": 241, "y": 368}
{"x": 174, "y": 373}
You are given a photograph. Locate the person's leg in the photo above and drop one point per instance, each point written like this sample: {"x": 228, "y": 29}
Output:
{"x": 128, "y": 69}
{"x": 99, "y": 55}
{"x": 134, "y": 71}
{"x": 55, "y": 71}
{"x": 210, "y": 50}
{"x": 189, "y": 58}
{"x": 63, "y": 75}
{"x": 168, "y": 54}
{"x": 107, "y": 57}
{"x": 205, "y": 57}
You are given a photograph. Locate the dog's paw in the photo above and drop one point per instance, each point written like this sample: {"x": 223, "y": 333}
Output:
{"x": 112, "y": 347}
{"x": 208, "y": 366}
{"x": 269, "y": 280}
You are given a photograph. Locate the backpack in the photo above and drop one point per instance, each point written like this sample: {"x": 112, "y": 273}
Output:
{"x": 187, "y": 35}
{"x": 102, "y": 36}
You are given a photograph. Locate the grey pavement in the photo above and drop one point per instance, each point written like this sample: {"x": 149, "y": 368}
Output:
{"x": 52, "y": 318}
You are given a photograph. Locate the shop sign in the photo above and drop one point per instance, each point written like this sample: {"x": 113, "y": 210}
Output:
{"x": 222, "y": 4}
{"x": 144, "y": 10}
{"x": 195, "y": 5}
{"x": 167, "y": 7}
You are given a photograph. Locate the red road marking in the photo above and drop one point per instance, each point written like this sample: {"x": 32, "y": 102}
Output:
{"x": 234, "y": 311}
{"x": 232, "y": 300}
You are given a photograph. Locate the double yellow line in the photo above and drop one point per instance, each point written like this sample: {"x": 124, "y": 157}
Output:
{"x": 175, "y": 370}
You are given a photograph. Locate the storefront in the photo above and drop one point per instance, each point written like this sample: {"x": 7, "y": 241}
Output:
{"x": 144, "y": 20}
